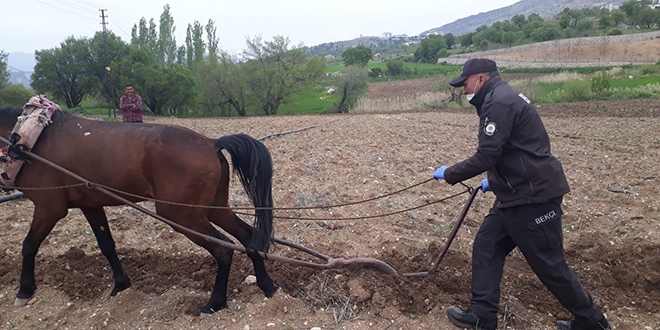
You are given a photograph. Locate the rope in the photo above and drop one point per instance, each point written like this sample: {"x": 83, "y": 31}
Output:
{"x": 43, "y": 188}
{"x": 261, "y": 208}
{"x": 369, "y": 216}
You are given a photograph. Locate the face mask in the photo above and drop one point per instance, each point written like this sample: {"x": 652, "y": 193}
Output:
{"x": 470, "y": 96}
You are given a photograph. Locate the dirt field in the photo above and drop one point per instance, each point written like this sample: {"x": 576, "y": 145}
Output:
{"x": 638, "y": 51}
{"x": 612, "y": 231}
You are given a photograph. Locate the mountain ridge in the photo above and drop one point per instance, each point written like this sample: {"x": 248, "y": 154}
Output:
{"x": 545, "y": 9}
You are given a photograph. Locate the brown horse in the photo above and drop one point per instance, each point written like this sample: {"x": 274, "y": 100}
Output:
{"x": 167, "y": 163}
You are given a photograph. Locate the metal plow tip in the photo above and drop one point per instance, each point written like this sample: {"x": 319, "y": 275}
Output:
{"x": 356, "y": 263}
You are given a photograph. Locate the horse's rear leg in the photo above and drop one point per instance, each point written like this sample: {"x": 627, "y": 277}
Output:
{"x": 195, "y": 220}
{"x": 99, "y": 223}
{"x": 43, "y": 221}
{"x": 235, "y": 226}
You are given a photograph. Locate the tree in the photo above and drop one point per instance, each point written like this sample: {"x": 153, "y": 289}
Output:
{"x": 545, "y": 33}
{"x": 166, "y": 39}
{"x": 14, "y": 95}
{"x": 164, "y": 89}
{"x": 509, "y": 38}
{"x": 102, "y": 54}
{"x": 351, "y": 84}
{"x": 395, "y": 67}
{"x": 646, "y": 16}
{"x": 466, "y": 39}
{"x": 199, "y": 46}
{"x": 195, "y": 45}
{"x": 429, "y": 47}
{"x": 64, "y": 71}
{"x": 618, "y": 17}
{"x": 4, "y": 74}
{"x": 158, "y": 40}
{"x": 224, "y": 86}
{"x": 276, "y": 71}
{"x": 212, "y": 40}
{"x": 519, "y": 20}
{"x": 359, "y": 55}
{"x": 450, "y": 40}
{"x": 605, "y": 21}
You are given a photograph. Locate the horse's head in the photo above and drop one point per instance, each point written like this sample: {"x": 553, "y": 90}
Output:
{"x": 8, "y": 117}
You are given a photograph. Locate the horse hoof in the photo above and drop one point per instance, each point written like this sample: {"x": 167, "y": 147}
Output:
{"x": 203, "y": 315}
{"x": 20, "y": 302}
{"x": 272, "y": 292}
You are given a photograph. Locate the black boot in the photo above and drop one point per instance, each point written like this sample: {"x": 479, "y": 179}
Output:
{"x": 469, "y": 320}
{"x": 575, "y": 325}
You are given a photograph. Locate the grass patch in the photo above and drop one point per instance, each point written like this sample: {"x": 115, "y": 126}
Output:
{"x": 308, "y": 101}
{"x": 417, "y": 70}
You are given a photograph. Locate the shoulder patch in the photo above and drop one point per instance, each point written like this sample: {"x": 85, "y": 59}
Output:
{"x": 522, "y": 96}
{"x": 490, "y": 128}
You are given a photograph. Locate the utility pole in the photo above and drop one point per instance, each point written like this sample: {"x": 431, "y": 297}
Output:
{"x": 105, "y": 60}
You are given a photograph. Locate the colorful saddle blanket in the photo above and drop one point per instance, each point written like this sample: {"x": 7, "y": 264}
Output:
{"x": 36, "y": 116}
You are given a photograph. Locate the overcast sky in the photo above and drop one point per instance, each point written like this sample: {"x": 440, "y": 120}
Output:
{"x": 26, "y": 25}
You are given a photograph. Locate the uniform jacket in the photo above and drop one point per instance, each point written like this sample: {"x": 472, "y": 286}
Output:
{"x": 514, "y": 149}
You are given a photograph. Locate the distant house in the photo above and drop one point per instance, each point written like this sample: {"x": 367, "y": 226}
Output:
{"x": 655, "y": 4}
{"x": 399, "y": 37}
{"x": 610, "y": 6}
{"x": 329, "y": 57}
{"x": 386, "y": 35}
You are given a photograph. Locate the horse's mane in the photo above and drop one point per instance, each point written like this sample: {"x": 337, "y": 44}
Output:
{"x": 58, "y": 116}
{"x": 11, "y": 111}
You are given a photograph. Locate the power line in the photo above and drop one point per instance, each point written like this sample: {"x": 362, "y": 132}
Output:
{"x": 119, "y": 26}
{"x": 89, "y": 4}
{"x": 62, "y": 9}
{"x": 76, "y": 6}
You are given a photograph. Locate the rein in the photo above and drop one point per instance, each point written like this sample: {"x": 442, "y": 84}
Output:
{"x": 331, "y": 263}
{"x": 90, "y": 184}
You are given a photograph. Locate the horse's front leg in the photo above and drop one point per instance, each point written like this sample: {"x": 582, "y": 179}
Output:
{"x": 99, "y": 223}
{"x": 43, "y": 221}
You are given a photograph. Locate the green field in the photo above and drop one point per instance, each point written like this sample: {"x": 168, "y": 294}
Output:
{"x": 418, "y": 70}
{"x": 614, "y": 83}
{"x": 308, "y": 101}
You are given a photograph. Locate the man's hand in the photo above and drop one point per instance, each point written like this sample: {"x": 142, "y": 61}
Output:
{"x": 485, "y": 186}
{"x": 439, "y": 174}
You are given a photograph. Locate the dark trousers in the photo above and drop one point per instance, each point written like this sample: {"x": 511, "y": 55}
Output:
{"x": 536, "y": 230}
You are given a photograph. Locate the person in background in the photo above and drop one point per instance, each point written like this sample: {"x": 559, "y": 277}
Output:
{"x": 529, "y": 184}
{"x": 131, "y": 106}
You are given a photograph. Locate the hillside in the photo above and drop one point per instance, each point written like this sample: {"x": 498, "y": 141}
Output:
{"x": 19, "y": 77}
{"x": 376, "y": 44}
{"x": 545, "y": 9}
{"x": 641, "y": 48}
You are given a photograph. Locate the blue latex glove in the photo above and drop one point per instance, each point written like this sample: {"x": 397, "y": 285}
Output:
{"x": 439, "y": 174}
{"x": 485, "y": 186}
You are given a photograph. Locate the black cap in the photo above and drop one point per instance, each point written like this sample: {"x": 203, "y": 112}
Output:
{"x": 474, "y": 66}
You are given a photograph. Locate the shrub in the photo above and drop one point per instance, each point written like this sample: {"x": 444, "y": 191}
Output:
{"x": 375, "y": 72}
{"x": 614, "y": 32}
{"x": 531, "y": 89}
{"x": 573, "y": 90}
{"x": 14, "y": 95}
{"x": 395, "y": 67}
{"x": 649, "y": 69}
{"x": 600, "y": 83}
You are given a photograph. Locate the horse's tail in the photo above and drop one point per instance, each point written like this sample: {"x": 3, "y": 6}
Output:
{"x": 252, "y": 162}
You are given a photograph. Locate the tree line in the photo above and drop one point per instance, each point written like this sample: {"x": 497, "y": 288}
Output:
{"x": 194, "y": 78}
{"x": 570, "y": 23}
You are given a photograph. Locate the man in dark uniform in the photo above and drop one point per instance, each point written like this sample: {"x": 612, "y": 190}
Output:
{"x": 529, "y": 183}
